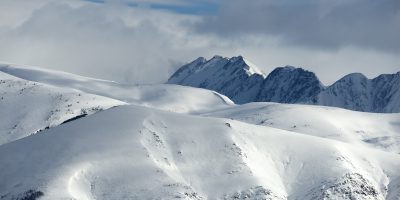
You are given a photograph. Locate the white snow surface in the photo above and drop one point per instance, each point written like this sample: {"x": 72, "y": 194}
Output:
{"x": 376, "y": 130}
{"x": 176, "y": 142}
{"x": 29, "y": 107}
{"x": 162, "y": 96}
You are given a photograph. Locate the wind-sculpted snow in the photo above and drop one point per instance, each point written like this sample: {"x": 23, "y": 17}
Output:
{"x": 290, "y": 85}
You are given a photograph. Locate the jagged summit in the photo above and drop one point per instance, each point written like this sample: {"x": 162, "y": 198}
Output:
{"x": 243, "y": 82}
{"x": 236, "y": 64}
{"x": 353, "y": 78}
{"x": 355, "y": 75}
{"x": 236, "y": 77}
{"x": 290, "y": 85}
{"x": 286, "y": 68}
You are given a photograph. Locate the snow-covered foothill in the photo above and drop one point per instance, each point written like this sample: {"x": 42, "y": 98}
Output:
{"x": 29, "y": 107}
{"x": 161, "y": 96}
{"x": 375, "y": 130}
{"x": 132, "y": 152}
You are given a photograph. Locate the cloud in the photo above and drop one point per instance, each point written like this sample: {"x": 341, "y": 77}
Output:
{"x": 142, "y": 44}
{"x": 107, "y": 41}
{"x": 322, "y": 24}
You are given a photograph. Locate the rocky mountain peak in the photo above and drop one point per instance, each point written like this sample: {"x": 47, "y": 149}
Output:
{"x": 244, "y": 82}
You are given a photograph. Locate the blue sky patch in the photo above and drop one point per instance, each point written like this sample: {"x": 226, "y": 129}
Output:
{"x": 194, "y": 8}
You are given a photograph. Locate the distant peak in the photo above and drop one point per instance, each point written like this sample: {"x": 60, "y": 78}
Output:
{"x": 216, "y": 57}
{"x": 288, "y": 68}
{"x": 252, "y": 68}
{"x": 236, "y": 58}
{"x": 248, "y": 66}
{"x": 240, "y": 61}
{"x": 199, "y": 60}
{"x": 353, "y": 76}
{"x": 291, "y": 71}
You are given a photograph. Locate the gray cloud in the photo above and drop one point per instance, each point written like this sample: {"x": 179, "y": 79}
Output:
{"x": 144, "y": 45}
{"x": 322, "y": 24}
{"x": 106, "y": 41}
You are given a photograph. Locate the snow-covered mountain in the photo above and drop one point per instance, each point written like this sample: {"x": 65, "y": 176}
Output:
{"x": 290, "y": 85}
{"x": 176, "y": 142}
{"x": 357, "y": 92}
{"x": 234, "y": 77}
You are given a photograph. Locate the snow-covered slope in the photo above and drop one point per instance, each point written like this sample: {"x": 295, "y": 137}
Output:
{"x": 234, "y": 77}
{"x": 28, "y": 107}
{"x": 163, "y": 96}
{"x": 132, "y": 152}
{"x": 290, "y": 85}
{"x": 381, "y": 131}
{"x": 177, "y": 142}
{"x": 177, "y": 98}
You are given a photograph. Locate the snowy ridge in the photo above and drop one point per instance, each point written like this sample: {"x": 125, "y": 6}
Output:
{"x": 380, "y": 131}
{"x": 176, "y": 142}
{"x": 29, "y": 107}
{"x": 291, "y": 85}
{"x": 167, "y": 97}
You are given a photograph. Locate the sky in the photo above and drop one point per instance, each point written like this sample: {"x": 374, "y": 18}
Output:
{"x": 145, "y": 41}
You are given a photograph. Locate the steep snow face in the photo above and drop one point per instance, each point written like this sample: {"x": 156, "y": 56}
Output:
{"x": 132, "y": 152}
{"x": 234, "y": 77}
{"x": 351, "y": 92}
{"x": 357, "y": 92}
{"x": 290, "y": 85}
{"x": 243, "y": 82}
{"x": 29, "y": 107}
{"x": 380, "y": 131}
{"x": 386, "y": 93}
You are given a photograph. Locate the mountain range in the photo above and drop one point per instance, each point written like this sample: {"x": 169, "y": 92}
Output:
{"x": 65, "y": 136}
{"x": 243, "y": 82}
